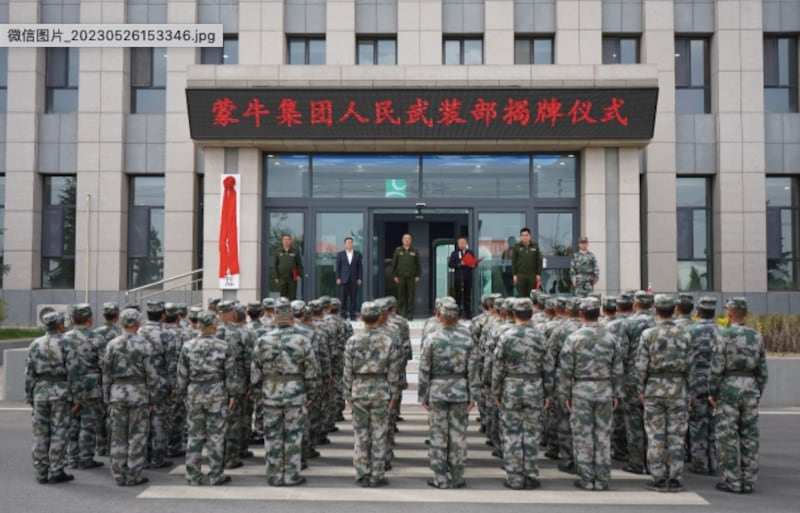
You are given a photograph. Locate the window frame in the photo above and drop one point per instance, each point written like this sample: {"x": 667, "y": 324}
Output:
{"x": 306, "y": 40}
{"x": 772, "y": 79}
{"x": 461, "y": 39}
{"x": 375, "y": 40}
{"x": 707, "y": 209}
{"x": 64, "y": 256}
{"x": 794, "y": 209}
{"x": 2, "y": 225}
{"x": 66, "y": 82}
{"x": 150, "y": 85}
{"x": 132, "y": 206}
{"x": 683, "y": 46}
{"x": 616, "y": 40}
{"x": 206, "y": 52}
{"x": 531, "y": 40}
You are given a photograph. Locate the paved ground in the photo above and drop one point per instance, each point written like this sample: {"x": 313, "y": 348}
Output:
{"x": 330, "y": 487}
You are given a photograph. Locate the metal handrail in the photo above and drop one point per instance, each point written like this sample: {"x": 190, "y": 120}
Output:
{"x": 165, "y": 280}
{"x": 161, "y": 291}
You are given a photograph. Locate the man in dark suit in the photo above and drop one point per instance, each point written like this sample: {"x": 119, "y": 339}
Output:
{"x": 349, "y": 273}
{"x": 463, "y": 276}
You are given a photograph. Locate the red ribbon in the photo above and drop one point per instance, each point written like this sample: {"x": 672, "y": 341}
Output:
{"x": 228, "y": 233}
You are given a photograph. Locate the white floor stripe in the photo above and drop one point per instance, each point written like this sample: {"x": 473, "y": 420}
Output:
{"x": 389, "y": 494}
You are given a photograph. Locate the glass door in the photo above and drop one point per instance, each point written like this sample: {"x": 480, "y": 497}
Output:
{"x": 498, "y": 233}
{"x": 555, "y": 232}
{"x": 331, "y": 230}
{"x": 282, "y": 223}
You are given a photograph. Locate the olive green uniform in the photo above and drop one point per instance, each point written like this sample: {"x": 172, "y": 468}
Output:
{"x": 526, "y": 265}
{"x": 406, "y": 268}
{"x": 283, "y": 263}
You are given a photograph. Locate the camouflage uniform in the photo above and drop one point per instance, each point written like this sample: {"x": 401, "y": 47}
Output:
{"x": 285, "y": 372}
{"x": 246, "y": 420}
{"x": 50, "y": 387}
{"x": 206, "y": 379}
{"x": 556, "y": 342}
{"x": 176, "y": 439}
{"x": 662, "y": 368}
{"x": 319, "y": 343}
{"x": 737, "y": 379}
{"x": 131, "y": 383}
{"x": 229, "y": 332}
{"x": 550, "y": 424}
{"x": 448, "y": 383}
{"x": 371, "y": 381}
{"x": 164, "y": 355}
{"x": 617, "y": 326}
{"x": 88, "y": 349}
{"x": 584, "y": 271}
{"x": 591, "y": 378}
{"x": 521, "y": 375}
{"x": 107, "y": 332}
{"x": 401, "y": 327}
{"x": 330, "y": 332}
{"x": 702, "y": 337}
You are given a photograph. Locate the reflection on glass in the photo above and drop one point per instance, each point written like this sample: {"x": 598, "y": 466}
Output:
{"x": 497, "y": 235}
{"x": 58, "y": 273}
{"x": 332, "y": 228}
{"x": 366, "y": 53}
{"x": 280, "y": 223}
{"x": 690, "y": 101}
{"x": 522, "y": 51}
{"x": 781, "y": 274}
{"x": 779, "y": 191}
{"x": 542, "y": 51}
{"x": 692, "y": 275}
{"x": 691, "y": 192}
{"x": 556, "y": 281}
{"x": 554, "y": 176}
{"x": 148, "y": 191}
{"x": 476, "y": 176}
{"x": 366, "y": 176}
{"x": 316, "y": 51}
{"x": 297, "y": 51}
{"x": 554, "y": 234}
{"x": 452, "y": 51}
{"x": 387, "y": 51}
{"x": 473, "y": 51}
{"x": 287, "y": 176}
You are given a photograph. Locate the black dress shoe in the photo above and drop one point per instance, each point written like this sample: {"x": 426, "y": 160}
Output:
{"x": 675, "y": 485}
{"x": 42, "y": 479}
{"x": 163, "y": 464}
{"x": 85, "y": 465}
{"x": 497, "y": 453}
{"x": 334, "y": 429}
{"x": 363, "y": 481}
{"x": 235, "y": 464}
{"x": 396, "y": 430}
{"x": 568, "y": 467}
{"x": 140, "y": 481}
{"x": 747, "y": 489}
{"x": 388, "y": 466}
{"x": 583, "y": 485}
{"x": 379, "y": 483}
{"x": 512, "y": 486}
{"x": 300, "y": 481}
{"x": 314, "y": 454}
{"x": 723, "y": 486}
{"x": 400, "y": 419}
{"x": 489, "y": 443}
{"x": 633, "y": 469}
{"x": 222, "y": 481}
{"x": 325, "y": 441}
{"x": 60, "y": 477}
{"x": 532, "y": 484}
{"x": 246, "y": 454}
{"x": 303, "y": 465}
{"x": 657, "y": 486}
{"x": 553, "y": 455}
{"x": 427, "y": 442}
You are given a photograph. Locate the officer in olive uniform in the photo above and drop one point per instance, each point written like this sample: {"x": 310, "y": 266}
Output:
{"x": 526, "y": 264}
{"x": 406, "y": 270}
{"x": 287, "y": 267}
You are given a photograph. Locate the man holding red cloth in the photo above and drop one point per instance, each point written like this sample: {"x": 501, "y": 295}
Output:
{"x": 463, "y": 261}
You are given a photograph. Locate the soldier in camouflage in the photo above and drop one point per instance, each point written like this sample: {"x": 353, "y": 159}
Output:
{"x": 249, "y": 341}
{"x": 736, "y": 383}
{"x": 260, "y": 324}
{"x": 448, "y": 385}
{"x": 207, "y": 386}
{"x": 702, "y": 337}
{"x": 662, "y": 367}
{"x": 641, "y": 320}
{"x": 432, "y": 323}
{"x": 131, "y": 384}
{"x": 558, "y": 307}
{"x": 285, "y": 372}
{"x": 683, "y": 310}
{"x": 164, "y": 356}
{"x": 568, "y": 326}
{"x": 371, "y": 381}
{"x": 331, "y": 333}
{"x": 584, "y": 271}
{"x": 504, "y": 322}
{"x": 313, "y": 433}
{"x": 88, "y": 348}
{"x": 50, "y": 386}
{"x": 176, "y": 443}
{"x": 108, "y": 331}
{"x": 521, "y": 375}
{"x": 269, "y": 311}
{"x": 401, "y": 327}
{"x": 616, "y": 313}
{"x": 228, "y": 330}
{"x": 590, "y": 381}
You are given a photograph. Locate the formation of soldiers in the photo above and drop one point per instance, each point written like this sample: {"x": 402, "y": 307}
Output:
{"x": 635, "y": 377}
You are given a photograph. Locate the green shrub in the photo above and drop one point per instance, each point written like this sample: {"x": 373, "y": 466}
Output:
{"x": 781, "y": 332}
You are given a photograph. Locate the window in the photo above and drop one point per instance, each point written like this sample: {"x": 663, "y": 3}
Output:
{"x": 3, "y": 79}
{"x": 533, "y": 50}
{"x": 61, "y": 84}
{"x": 376, "y": 51}
{"x": 694, "y": 233}
{"x": 783, "y": 233}
{"x": 2, "y": 225}
{"x": 58, "y": 232}
{"x": 476, "y": 176}
{"x": 228, "y": 53}
{"x": 348, "y": 175}
{"x": 554, "y": 176}
{"x": 146, "y": 230}
{"x": 780, "y": 74}
{"x": 148, "y": 80}
{"x": 620, "y": 50}
{"x": 287, "y": 176}
{"x": 692, "y": 76}
{"x": 306, "y": 50}
{"x": 463, "y": 50}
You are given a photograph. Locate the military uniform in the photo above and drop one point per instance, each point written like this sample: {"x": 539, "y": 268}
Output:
{"x": 584, "y": 271}
{"x": 286, "y": 264}
{"x": 176, "y": 439}
{"x": 617, "y": 327}
{"x": 526, "y": 264}
{"x": 662, "y": 368}
{"x": 107, "y": 332}
{"x": 284, "y": 370}
{"x": 313, "y": 432}
{"x": 448, "y": 383}
{"x": 131, "y": 384}
{"x": 206, "y": 382}
{"x": 522, "y": 377}
{"x": 486, "y": 366}
{"x": 371, "y": 381}
{"x": 50, "y": 387}
{"x": 737, "y": 380}
{"x": 591, "y": 379}
{"x": 702, "y": 338}
{"x": 229, "y": 332}
{"x": 407, "y": 269}
{"x": 88, "y": 349}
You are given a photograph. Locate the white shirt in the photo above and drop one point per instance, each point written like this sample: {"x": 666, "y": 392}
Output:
{"x": 349, "y": 256}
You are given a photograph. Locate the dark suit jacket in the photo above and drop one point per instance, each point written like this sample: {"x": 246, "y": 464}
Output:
{"x": 348, "y": 272}
{"x": 462, "y": 271}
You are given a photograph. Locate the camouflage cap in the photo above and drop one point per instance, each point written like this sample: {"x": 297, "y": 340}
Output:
{"x": 207, "y": 319}
{"x": 110, "y": 308}
{"x": 534, "y": 295}
{"x": 437, "y": 303}
{"x": 707, "y": 303}
{"x": 214, "y": 301}
{"x": 685, "y": 300}
{"x": 80, "y": 310}
{"x": 508, "y": 304}
{"x": 485, "y": 300}
{"x": 134, "y": 306}
{"x": 550, "y": 304}
{"x": 610, "y": 303}
{"x": 643, "y": 298}
{"x": 561, "y": 302}
{"x": 130, "y": 317}
{"x": 297, "y": 306}
{"x": 583, "y": 238}
{"x": 597, "y": 296}
{"x": 664, "y": 301}
{"x": 325, "y": 300}
{"x": 316, "y": 305}
{"x": 370, "y": 309}
{"x": 155, "y": 307}
{"x": 268, "y": 303}
{"x": 182, "y": 309}
{"x": 283, "y": 308}
{"x": 574, "y": 305}
{"x": 52, "y": 320}
{"x": 382, "y": 304}
{"x": 522, "y": 305}
{"x": 171, "y": 309}
{"x": 254, "y": 305}
{"x": 738, "y": 304}
{"x": 449, "y": 309}
{"x": 625, "y": 300}
{"x": 194, "y": 312}
{"x": 391, "y": 301}
{"x": 589, "y": 304}
{"x": 543, "y": 298}
{"x": 226, "y": 306}
{"x": 240, "y": 309}
{"x": 336, "y": 302}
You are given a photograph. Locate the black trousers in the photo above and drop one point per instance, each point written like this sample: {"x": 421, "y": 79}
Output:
{"x": 349, "y": 290}
{"x": 463, "y": 293}
{"x": 287, "y": 288}
{"x": 406, "y": 291}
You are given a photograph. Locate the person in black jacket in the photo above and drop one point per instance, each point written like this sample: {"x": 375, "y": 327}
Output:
{"x": 463, "y": 276}
{"x": 349, "y": 275}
